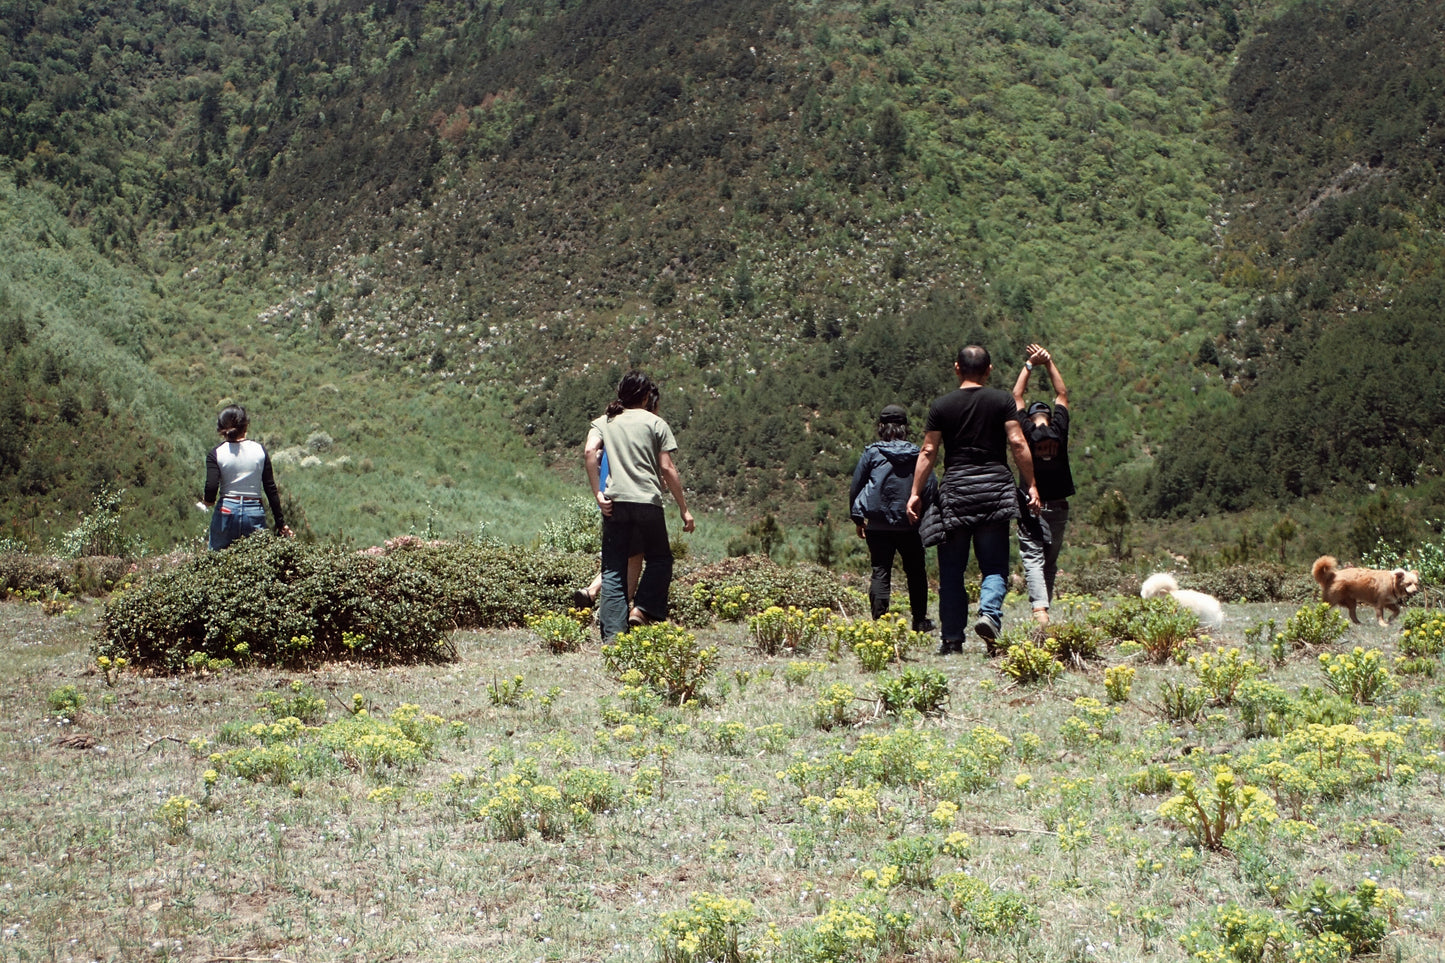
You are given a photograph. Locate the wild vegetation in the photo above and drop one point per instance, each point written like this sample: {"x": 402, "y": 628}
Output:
{"x": 1114, "y": 787}
{"x": 421, "y": 241}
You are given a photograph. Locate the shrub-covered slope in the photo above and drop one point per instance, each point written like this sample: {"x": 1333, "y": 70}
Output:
{"x": 791, "y": 213}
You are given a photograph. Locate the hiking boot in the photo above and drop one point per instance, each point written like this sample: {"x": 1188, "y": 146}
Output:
{"x": 638, "y": 618}
{"x": 582, "y": 599}
{"x": 947, "y": 647}
{"x": 923, "y": 625}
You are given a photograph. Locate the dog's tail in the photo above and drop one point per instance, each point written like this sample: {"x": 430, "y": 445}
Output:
{"x": 1160, "y": 583}
{"x": 1324, "y": 570}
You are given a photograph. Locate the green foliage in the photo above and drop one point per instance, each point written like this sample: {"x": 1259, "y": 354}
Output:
{"x": 978, "y": 908}
{"x": 1111, "y": 514}
{"x": 276, "y": 601}
{"x": 559, "y": 633}
{"x": 1118, "y": 681}
{"x": 66, "y": 702}
{"x": 1322, "y": 909}
{"x": 1162, "y": 627}
{"x": 510, "y": 693}
{"x": 1210, "y": 812}
{"x": 667, "y": 659}
{"x": 303, "y": 703}
{"x": 1360, "y": 676}
{"x": 878, "y": 642}
{"x": 924, "y": 691}
{"x": 709, "y": 929}
{"x": 279, "y": 601}
{"x": 1222, "y": 672}
{"x": 1315, "y": 626}
{"x": 775, "y": 629}
{"x": 1029, "y": 664}
{"x": 100, "y": 531}
{"x": 837, "y": 706}
{"x": 722, "y": 585}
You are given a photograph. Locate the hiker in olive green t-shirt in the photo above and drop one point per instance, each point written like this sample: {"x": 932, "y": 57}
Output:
{"x": 639, "y": 448}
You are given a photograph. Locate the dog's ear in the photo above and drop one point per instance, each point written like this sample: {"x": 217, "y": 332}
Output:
{"x": 1399, "y": 579}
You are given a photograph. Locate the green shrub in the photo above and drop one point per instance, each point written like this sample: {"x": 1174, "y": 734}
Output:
{"x": 1322, "y": 909}
{"x": 1073, "y": 643}
{"x": 66, "y": 702}
{"x": 922, "y": 690}
{"x": 277, "y": 601}
{"x": 1314, "y": 626}
{"x": 1027, "y": 664}
{"x": 46, "y": 575}
{"x": 1258, "y": 582}
{"x": 767, "y": 583}
{"x": 303, "y": 703}
{"x": 1360, "y": 676}
{"x": 667, "y": 658}
{"x": 559, "y": 633}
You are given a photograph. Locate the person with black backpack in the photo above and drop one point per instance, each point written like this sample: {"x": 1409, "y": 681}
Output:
{"x": 878, "y": 505}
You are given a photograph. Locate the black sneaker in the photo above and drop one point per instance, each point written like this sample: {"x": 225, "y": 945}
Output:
{"x": 950, "y": 648}
{"x": 987, "y": 628}
{"x": 923, "y": 625}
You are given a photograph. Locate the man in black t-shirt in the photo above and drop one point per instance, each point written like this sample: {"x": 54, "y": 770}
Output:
{"x": 976, "y": 426}
{"x": 1047, "y": 430}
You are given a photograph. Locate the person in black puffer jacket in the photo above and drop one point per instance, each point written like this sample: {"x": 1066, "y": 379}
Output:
{"x": 976, "y": 426}
{"x": 878, "y": 505}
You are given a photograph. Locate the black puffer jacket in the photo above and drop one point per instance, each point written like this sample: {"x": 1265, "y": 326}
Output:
{"x": 969, "y": 495}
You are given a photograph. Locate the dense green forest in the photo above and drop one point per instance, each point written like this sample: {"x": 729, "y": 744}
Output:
{"x": 422, "y": 241}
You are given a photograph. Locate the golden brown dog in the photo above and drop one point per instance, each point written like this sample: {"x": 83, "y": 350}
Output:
{"x": 1379, "y": 588}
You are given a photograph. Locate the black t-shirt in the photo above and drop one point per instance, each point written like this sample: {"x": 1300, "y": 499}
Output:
{"x": 1049, "y": 444}
{"x": 971, "y": 421}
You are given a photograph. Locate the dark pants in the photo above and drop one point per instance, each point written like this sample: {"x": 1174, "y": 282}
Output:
{"x": 631, "y": 528}
{"x": 881, "y": 548}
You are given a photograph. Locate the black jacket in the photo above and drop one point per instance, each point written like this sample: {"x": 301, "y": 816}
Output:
{"x": 970, "y": 495}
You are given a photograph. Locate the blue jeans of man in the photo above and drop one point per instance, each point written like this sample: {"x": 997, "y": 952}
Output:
{"x": 633, "y": 527}
{"x": 1041, "y": 560}
{"x": 991, "y": 541}
{"x": 235, "y": 517}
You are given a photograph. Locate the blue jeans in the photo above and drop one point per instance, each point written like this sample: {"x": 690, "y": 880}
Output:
{"x": 235, "y": 518}
{"x": 1041, "y": 562}
{"x": 633, "y": 527}
{"x": 992, "y": 542}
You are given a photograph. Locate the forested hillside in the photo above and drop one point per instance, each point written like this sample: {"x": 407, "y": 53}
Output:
{"x": 426, "y": 239}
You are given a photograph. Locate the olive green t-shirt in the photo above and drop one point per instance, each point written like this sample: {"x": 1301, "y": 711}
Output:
{"x": 635, "y": 441}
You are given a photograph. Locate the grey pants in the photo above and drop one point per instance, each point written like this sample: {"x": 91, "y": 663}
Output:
{"x": 1041, "y": 561}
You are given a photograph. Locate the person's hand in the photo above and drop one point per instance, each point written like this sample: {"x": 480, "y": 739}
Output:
{"x": 1037, "y": 354}
{"x": 687, "y": 521}
{"x": 862, "y": 530}
{"x": 1036, "y": 504}
{"x": 286, "y": 531}
{"x": 915, "y": 508}
{"x": 604, "y": 504}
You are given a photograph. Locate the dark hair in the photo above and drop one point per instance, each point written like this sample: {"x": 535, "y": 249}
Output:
{"x": 633, "y": 391}
{"x": 654, "y": 397}
{"x": 232, "y": 422}
{"x": 892, "y": 431}
{"x": 973, "y": 362}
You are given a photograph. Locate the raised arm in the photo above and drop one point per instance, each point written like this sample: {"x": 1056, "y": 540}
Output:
{"x": 1056, "y": 378}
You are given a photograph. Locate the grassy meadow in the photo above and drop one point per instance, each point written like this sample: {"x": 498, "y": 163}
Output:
{"x": 533, "y": 807}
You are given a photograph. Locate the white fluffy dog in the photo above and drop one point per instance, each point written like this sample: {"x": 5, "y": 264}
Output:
{"x": 1206, "y": 607}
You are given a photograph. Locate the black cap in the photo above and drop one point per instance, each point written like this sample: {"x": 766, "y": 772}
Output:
{"x": 1039, "y": 408}
{"x": 893, "y": 415}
